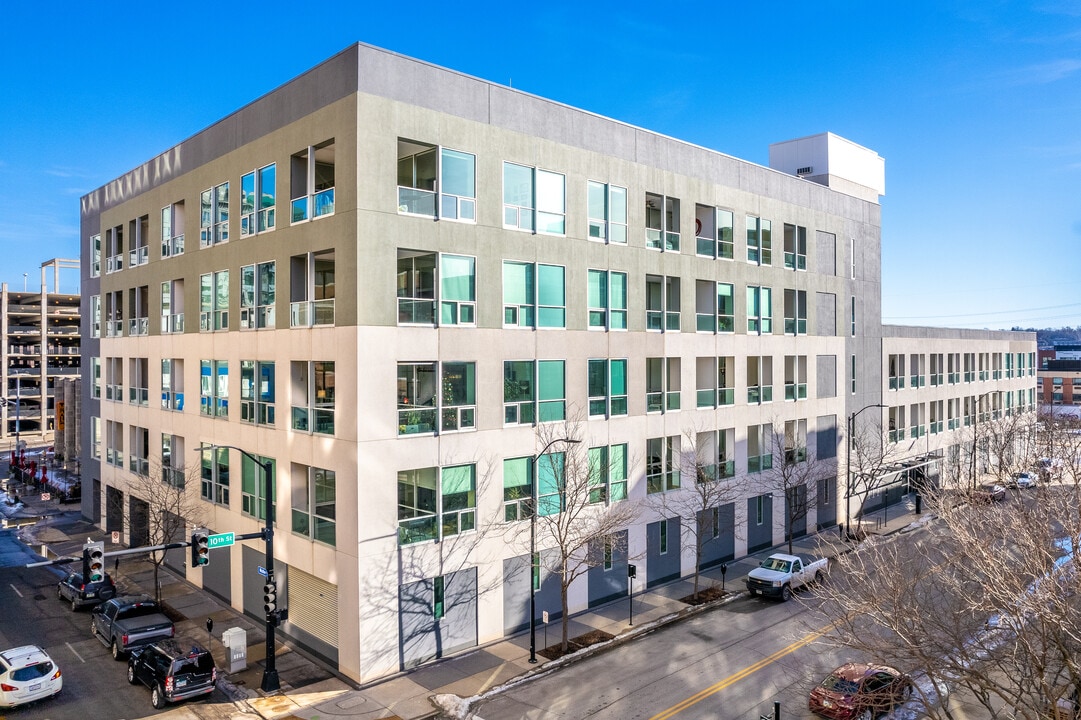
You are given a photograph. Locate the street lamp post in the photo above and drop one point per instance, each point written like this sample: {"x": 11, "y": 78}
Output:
{"x": 270, "y": 670}
{"x": 533, "y": 547}
{"x": 848, "y": 465}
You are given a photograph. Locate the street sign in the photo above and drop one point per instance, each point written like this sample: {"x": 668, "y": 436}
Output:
{"x": 221, "y": 540}
{"x": 116, "y": 536}
{"x": 46, "y": 497}
{"x": 262, "y": 571}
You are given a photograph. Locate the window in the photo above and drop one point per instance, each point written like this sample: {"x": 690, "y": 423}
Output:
{"x": 257, "y": 392}
{"x": 970, "y": 367}
{"x": 607, "y": 299}
{"x": 795, "y": 377}
{"x": 139, "y": 232}
{"x": 534, "y": 200}
{"x": 662, "y": 384}
{"x": 95, "y": 316}
{"x": 313, "y": 396}
{"x": 550, "y": 483}
{"x": 172, "y": 460}
{"x": 534, "y": 304}
{"x": 172, "y": 307}
{"x": 214, "y": 388}
{"x": 607, "y": 382}
{"x": 435, "y": 504}
{"x": 662, "y": 222}
{"x": 852, "y": 374}
{"x": 138, "y": 390}
{"x": 114, "y": 314}
{"x": 114, "y": 379}
{"x": 95, "y": 377}
{"x": 95, "y": 437}
{"x": 759, "y": 379}
{"x": 713, "y": 231}
{"x": 795, "y": 312}
{"x": 517, "y": 488}
{"x": 257, "y": 201}
{"x": 795, "y": 247}
{"x": 139, "y": 305}
{"x": 897, "y": 371}
{"x": 172, "y": 384}
{"x": 311, "y": 183}
{"x": 608, "y": 553}
{"x": 662, "y": 303}
{"x": 419, "y": 404}
{"x": 663, "y": 539}
{"x": 607, "y": 207}
{"x": 759, "y": 310}
{"x": 311, "y": 292}
{"x": 916, "y": 367}
{"x": 608, "y": 473}
{"x": 759, "y": 241}
{"x": 172, "y": 230}
{"x": 897, "y": 422}
{"x": 257, "y": 488}
{"x": 714, "y": 307}
{"x": 139, "y": 444}
{"x": 853, "y": 315}
{"x": 114, "y": 443}
{"x": 916, "y": 415}
{"x": 257, "y": 293}
{"x": 314, "y": 495}
{"x": 726, "y": 381}
{"x": 419, "y": 166}
{"x": 662, "y": 464}
{"x": 716, "y": 455}
{"x": 759, "y": 452}
{"x": 936, "y": 369}
{"x": 95, "y": 256}
{"x": 214, "y": 215}
{"x": 214, "y": 301}
{"x": 795, "y": 441}
{"x": 114, "y": 249}
{"x": 521, "y": 403}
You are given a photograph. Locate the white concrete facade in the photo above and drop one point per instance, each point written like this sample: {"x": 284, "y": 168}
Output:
{"x": 374, "y": 115}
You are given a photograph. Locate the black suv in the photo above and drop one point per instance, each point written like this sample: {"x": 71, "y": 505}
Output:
{"x": 82, "y": 594}
{"x": 174, "y": 669}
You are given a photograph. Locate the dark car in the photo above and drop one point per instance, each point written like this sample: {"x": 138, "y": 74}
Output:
{"x": 986, "y": 494}
{"x": 859, "y": 690}
{"x": 83, "y": 594}
{"x": 174, "y": 669}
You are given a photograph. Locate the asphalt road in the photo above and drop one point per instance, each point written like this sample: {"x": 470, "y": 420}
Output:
{"x": 733, "y": 662}
{"x": 95, "y": 685}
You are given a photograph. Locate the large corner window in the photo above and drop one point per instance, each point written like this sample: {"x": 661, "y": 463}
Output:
{"x": 311, "y": 183}
{"x": 431, "y": 393}
{"x": 431, "y": 283}
{"x": 257, "y": 200}
{"x": 436, "y": 182}
{"x": 436, "y": 503}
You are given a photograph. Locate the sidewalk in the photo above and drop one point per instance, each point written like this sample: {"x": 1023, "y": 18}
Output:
{"x": 311, "y": 691}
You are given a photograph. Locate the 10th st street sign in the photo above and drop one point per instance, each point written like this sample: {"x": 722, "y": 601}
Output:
{"x": 221, "y": 540}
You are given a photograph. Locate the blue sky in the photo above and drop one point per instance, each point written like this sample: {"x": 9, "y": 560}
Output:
{"x": 975, "y": 105}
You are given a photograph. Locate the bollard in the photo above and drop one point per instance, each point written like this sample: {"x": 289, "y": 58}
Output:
{"x": 919, "y": 503}
{"x": 840, "y": 531}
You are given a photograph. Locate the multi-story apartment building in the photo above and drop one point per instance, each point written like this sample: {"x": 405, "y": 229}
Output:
{"x": 1060, "y": 383}
{"x": 40, "y": 331}
{"x": 458, "y": 265}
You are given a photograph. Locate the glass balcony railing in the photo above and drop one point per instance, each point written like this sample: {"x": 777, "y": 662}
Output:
{"x": 654, "y": 401}
{"x": 706, "y": 398}
{"x": 309, "y": 313}
{"x": 416, "y": 311}
{"x": 138, "y": 327}
{"x": 654, "y": 238}
{"x": 415, "y": 201}
{"x": 416, "y": 420}
{"x": 138, "y": 256}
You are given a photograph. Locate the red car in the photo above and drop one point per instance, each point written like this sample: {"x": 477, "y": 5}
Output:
{"x": 859, "y": 691}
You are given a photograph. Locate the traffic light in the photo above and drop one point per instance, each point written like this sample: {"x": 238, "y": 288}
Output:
{"x": 200, "y": 547}
{"x": 270, "y": 597}
{"x": 94, "y": 561}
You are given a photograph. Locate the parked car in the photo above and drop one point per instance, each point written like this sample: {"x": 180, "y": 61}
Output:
{"x": 173, "y": 669}
{"x": 1021, "y": 481}
{"x": 859, "y": 690}
{"x": 987, "y": 493}
{"x": 780, "y": 574}
{"x": 27, "y": 674}
{"x": 81, "y": 593}
{"x": 129, "y": 621}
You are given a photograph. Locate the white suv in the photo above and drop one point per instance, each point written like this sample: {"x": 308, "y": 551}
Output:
{"x": 27, "y": 674}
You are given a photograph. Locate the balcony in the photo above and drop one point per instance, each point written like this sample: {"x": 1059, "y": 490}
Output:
{"x": 309, "y": 313}
{"x": 415, "y": 311}
{"x": 416, "y": 420}
{"x": 414, "y": 201}
{"x": 315, "y": 206}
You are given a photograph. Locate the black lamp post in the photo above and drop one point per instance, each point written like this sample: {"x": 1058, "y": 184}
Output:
{"x": 533, "y": 547}
{"x": 848, "y": 464}
{"x": 270, "y": 670}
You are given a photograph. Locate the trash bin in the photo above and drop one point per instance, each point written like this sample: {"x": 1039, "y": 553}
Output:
{"x": 235, "y": 641}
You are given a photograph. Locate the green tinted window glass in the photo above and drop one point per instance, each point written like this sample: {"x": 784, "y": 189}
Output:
{"x": 517, "y": 381}
{"x": 598, "y": 378}
{"x": 598, "y": 289}
{"x": 619, "y": 377}
{"x": 549, "y": 483}
{"x": 459, "y": 173}
{"x": 458, "y": 278}
{"x": 517, "y": 185}
{"x": 725, "y": 303}
{"x": 517, "y": 283}
{"x": 551, "y": 378}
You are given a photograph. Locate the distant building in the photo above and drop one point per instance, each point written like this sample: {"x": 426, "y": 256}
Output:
{"x": 456, "y": 265}
{"x": 40, "y": 331}
{"x": 1060, "y": 383}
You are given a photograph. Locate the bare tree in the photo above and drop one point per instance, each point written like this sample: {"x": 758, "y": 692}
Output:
{"x": 870, "y": 453}
{"x": 698, "y": 505}
{"x": 576, "y": 525}
{"x": 983, "y": 600}
{"x": 171, "y": 498}
{"x": 793, "y": 475}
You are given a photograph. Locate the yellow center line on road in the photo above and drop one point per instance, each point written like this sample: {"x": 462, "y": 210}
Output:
{"x": 747, "y": 671}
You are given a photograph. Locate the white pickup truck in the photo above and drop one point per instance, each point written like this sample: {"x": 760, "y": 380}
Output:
{"x": 780, "y": 574}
